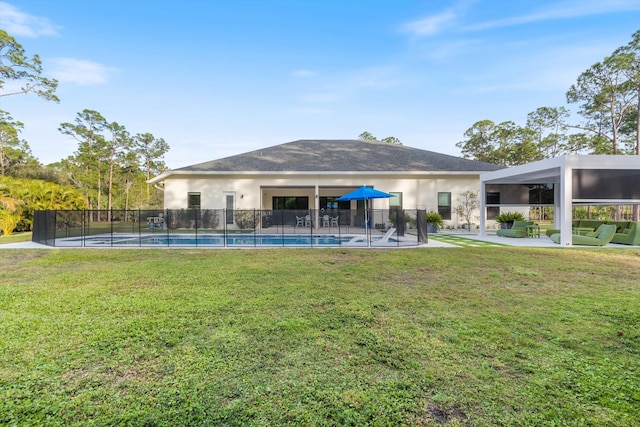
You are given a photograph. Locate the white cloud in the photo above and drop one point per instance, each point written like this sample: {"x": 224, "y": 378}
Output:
{"x": 563, "y": 10}
{"x": 20, "y": 24}
{"x": 566, "y": 9}
{"x": 82, "y": 72}
{"x": 438, "y": 23}
{"x": 431, "y": 25}
{"x": 447, "y": 50}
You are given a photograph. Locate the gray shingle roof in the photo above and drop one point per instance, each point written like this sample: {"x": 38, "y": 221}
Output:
{"x": 340, "y": 156}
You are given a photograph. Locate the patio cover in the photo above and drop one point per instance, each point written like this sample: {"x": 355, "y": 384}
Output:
{"x": 593, "y": 179}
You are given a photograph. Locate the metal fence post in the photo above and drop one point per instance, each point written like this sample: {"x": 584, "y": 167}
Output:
{"x": 55, "y": 226}
{"x": 139, "y": 228}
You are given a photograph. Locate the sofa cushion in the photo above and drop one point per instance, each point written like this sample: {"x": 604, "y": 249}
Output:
{"x": 620, "y": 225}
{"x": 521, "y": 224}
{"x": 586, "y": 223}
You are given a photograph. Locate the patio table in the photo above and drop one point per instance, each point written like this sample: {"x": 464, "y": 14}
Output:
{"x": 533, "y": 230}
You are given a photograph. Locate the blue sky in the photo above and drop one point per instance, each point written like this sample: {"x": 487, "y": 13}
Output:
{"x": 218, "y": 78}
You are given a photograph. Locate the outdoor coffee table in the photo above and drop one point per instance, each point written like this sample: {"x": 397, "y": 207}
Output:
{"x": 533, "y": 230}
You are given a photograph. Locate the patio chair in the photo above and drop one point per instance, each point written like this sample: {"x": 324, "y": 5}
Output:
{"x": 307, "y": 221}
{"x": 334, "y": 220}
{"x": 325, "y": 220}
{"x": 299, "y": 221}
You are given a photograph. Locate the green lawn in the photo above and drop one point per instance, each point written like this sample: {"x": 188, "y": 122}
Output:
{"x": 15, "y": 238}
{"x": 320, "y": 337}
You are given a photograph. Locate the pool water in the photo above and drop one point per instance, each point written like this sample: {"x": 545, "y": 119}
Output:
{"x": 212, "y": 240}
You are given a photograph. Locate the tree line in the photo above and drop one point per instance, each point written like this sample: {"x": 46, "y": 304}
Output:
{"x": 109, "y": 169}
{"x": 608, "y": 99}
{"x": 111, "y": 166}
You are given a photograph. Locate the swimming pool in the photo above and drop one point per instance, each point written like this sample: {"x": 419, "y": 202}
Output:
{"x": 206, "y": 240}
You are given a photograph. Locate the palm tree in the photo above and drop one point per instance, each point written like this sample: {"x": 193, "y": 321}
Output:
{"x": 8, "y": 206}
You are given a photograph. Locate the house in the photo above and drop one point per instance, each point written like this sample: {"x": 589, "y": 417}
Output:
{"x": 312, "y": 174}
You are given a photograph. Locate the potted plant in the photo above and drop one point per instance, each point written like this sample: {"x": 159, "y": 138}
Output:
{"x": 506, "y": 219}
{"x": 434, "y": 222}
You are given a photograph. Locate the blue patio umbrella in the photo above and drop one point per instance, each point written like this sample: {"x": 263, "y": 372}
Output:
{"x": 365, "y": 193}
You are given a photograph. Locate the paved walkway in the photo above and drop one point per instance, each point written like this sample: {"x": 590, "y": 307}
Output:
{"x": 492, "y": 239}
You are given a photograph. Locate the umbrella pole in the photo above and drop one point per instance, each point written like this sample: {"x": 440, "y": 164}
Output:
{"x": 367, "y": 232}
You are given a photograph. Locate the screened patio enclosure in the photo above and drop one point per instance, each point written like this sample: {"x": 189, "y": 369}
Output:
{"x": 562, "y": 182}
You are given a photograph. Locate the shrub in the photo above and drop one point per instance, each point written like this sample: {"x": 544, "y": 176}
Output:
{"x": 246, "y": 219}
{"x": 509, "y": 217}
{"x": 435, "y": 218}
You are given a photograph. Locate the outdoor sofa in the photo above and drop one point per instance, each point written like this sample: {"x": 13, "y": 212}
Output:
{"x": 600, "y": 237}
{"x": 627, "y": 232}
{"x": 518, "y": 229}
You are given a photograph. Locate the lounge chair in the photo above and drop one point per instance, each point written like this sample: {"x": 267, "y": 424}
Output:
{"x": 602, "y": 236}
{"x": 384, "y": 239}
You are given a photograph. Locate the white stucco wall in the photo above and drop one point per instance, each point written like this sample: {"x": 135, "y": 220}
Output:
{"x": 254, "y": 191}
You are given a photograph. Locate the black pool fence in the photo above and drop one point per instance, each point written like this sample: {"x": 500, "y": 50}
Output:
{"x": 229, "y": 228}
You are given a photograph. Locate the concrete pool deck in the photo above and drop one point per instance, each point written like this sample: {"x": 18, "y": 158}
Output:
{"x": 439, "y": 241}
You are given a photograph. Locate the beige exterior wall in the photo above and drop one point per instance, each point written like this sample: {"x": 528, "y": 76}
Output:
{"x": 256, "y": 191}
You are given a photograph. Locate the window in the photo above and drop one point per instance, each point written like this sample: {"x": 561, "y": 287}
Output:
{"x": 332, "y": 203}
{"x": 493, "y": 198}
{"x": 395, "y": 201}
{"x": 444, "y": 205}
{"x": 193, "y": 201}
{"x": 290, "y": 203}
{"x": 230, "y": 204}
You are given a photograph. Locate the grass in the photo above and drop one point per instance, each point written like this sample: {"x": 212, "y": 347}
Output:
{"x": 15, "y": 238}
{"x": 478, "y": 337}
{"x": 463, "y": 241}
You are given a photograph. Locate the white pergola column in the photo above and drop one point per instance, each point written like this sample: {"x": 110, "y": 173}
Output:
{"x": 566, "y": 204}
{"x": 317, "y": 205}
{"x": 557, "y": 205}
{"x": 483, "y": 208}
